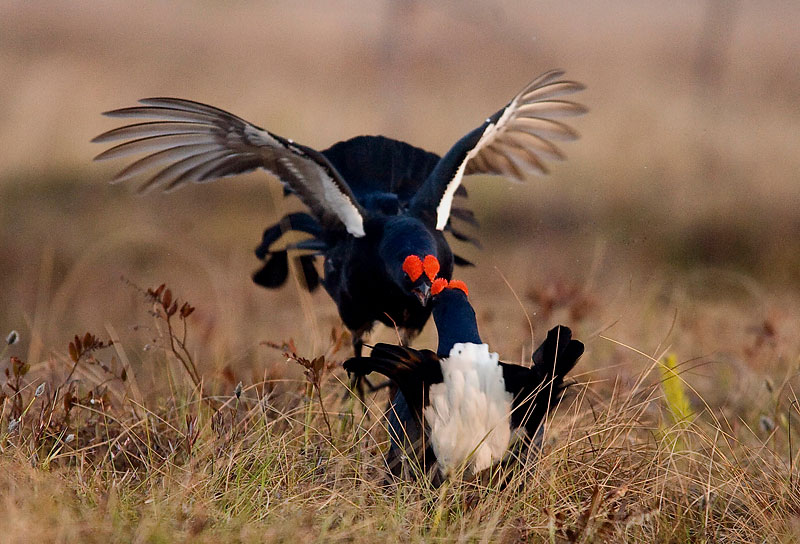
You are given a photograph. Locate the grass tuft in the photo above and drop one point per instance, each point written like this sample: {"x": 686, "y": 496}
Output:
{"x": 675, "y": 398}
{"x": 263, "y": 460}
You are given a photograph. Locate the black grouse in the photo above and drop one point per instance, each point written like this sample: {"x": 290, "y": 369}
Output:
{"x": 378, "y": 207}
{"x": 466, "y": 402}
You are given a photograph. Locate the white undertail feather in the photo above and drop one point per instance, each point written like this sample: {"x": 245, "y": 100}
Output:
{"x": 469, "y": 412}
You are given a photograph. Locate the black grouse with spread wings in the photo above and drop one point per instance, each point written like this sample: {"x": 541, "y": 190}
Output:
{"x": 378, "y": 208}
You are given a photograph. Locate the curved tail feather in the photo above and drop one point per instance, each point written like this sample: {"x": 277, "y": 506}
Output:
{"x": 538, "y": 389}
{"x": 276, "y": 268}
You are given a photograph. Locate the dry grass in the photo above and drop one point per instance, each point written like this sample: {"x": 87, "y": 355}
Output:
{"x": 96, "y": 459}
{"x": 672, "y": 230}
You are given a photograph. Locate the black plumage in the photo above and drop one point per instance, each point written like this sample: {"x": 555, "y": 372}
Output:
{"x": 373, "y": 201}
{"x": 535, "y": 390}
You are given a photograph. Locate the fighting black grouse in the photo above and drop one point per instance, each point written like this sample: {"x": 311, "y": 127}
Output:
{"x": 459, "y": 407}
{"x": 378, "y": 207}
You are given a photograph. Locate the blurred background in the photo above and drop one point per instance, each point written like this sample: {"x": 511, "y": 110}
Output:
{"x": 674, "y": 222}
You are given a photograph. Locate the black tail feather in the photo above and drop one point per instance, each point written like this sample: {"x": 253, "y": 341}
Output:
{"x": 461, "y": 261}
{"x": 414, "y": 371}
{"x": 459, "y": 235}
{"x": 405, "y": 366}
{"x": 312, "y": 244}
{"x": 299, "y": 221}
{"x": 464, "y": 214}
{"x": 276, "y": 269}
{"x": 539, "y": 389}
{"x": 558, "y": 348}
{"x": 274, "y": 272}
{"x": 305, "y": 263}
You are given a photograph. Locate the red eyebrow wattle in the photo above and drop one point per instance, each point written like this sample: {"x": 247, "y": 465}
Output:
{"x": 413, "y": 267}
{"x": 438, "y": 286}
{"x": 431, "y": 266}
{"x": 458, "y": 284}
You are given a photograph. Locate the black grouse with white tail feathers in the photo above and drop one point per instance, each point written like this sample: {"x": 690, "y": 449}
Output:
{"x": 378, "y": 208}
{"x": 466, "y": 402}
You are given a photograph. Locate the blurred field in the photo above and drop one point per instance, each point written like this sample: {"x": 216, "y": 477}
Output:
{"x": 673, "y": 227}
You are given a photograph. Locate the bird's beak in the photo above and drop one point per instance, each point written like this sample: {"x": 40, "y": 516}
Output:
{"x": 423, "y": 293}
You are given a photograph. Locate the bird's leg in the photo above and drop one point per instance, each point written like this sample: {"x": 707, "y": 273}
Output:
{"x": 357, "y": 382}
{"x": 358, "y": 344}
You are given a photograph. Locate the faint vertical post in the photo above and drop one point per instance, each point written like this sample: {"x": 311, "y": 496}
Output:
{"x": 710, "y": 63}
{"x": 396, "y": 62}
{"x": 715, "y": 40}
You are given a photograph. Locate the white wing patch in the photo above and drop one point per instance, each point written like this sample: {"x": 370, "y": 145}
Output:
{"x": 516, "y": 144}
{"x": 469, "y": 412}
{"x": 337, "y": 201}
{"x": 343, "y": 207}
{"x": 443, "y": 209}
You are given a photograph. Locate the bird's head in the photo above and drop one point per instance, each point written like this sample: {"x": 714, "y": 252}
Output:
{"x": 410, "y": 254}
{"x": 440, "y": 284}
{"x": 418, "y": 276}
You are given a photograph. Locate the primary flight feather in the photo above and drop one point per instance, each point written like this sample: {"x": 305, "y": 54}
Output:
{"x": 377, "y": 206}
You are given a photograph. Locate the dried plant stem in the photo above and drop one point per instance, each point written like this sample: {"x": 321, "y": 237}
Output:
{"x": 324, "y": 412}
{"x": 183, "y": 356}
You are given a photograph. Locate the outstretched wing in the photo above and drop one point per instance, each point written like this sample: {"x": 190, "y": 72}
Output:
{"x": 514, "y": 142}
{"x": 191, "y": 142}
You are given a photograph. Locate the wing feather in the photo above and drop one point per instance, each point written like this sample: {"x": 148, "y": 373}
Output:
{"x": 160, "y": 158}
{"x": 175, "y": 173}
{"x": 152, "y": 128}
{"x": 162, "y": 113}
{"x": 514, "y": 142}
{"x": 153, "y": 144}
{"x": 187, "y": 141}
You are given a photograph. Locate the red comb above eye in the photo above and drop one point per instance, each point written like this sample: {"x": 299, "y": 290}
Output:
{"x": 413, "y": 267}
{"x": 458, "y": 284}
{"x": 438, "y": 286}
{"x": 431, "y": 266}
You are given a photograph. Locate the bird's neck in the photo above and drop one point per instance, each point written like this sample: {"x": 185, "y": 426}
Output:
{"x": 455, "y": 320}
